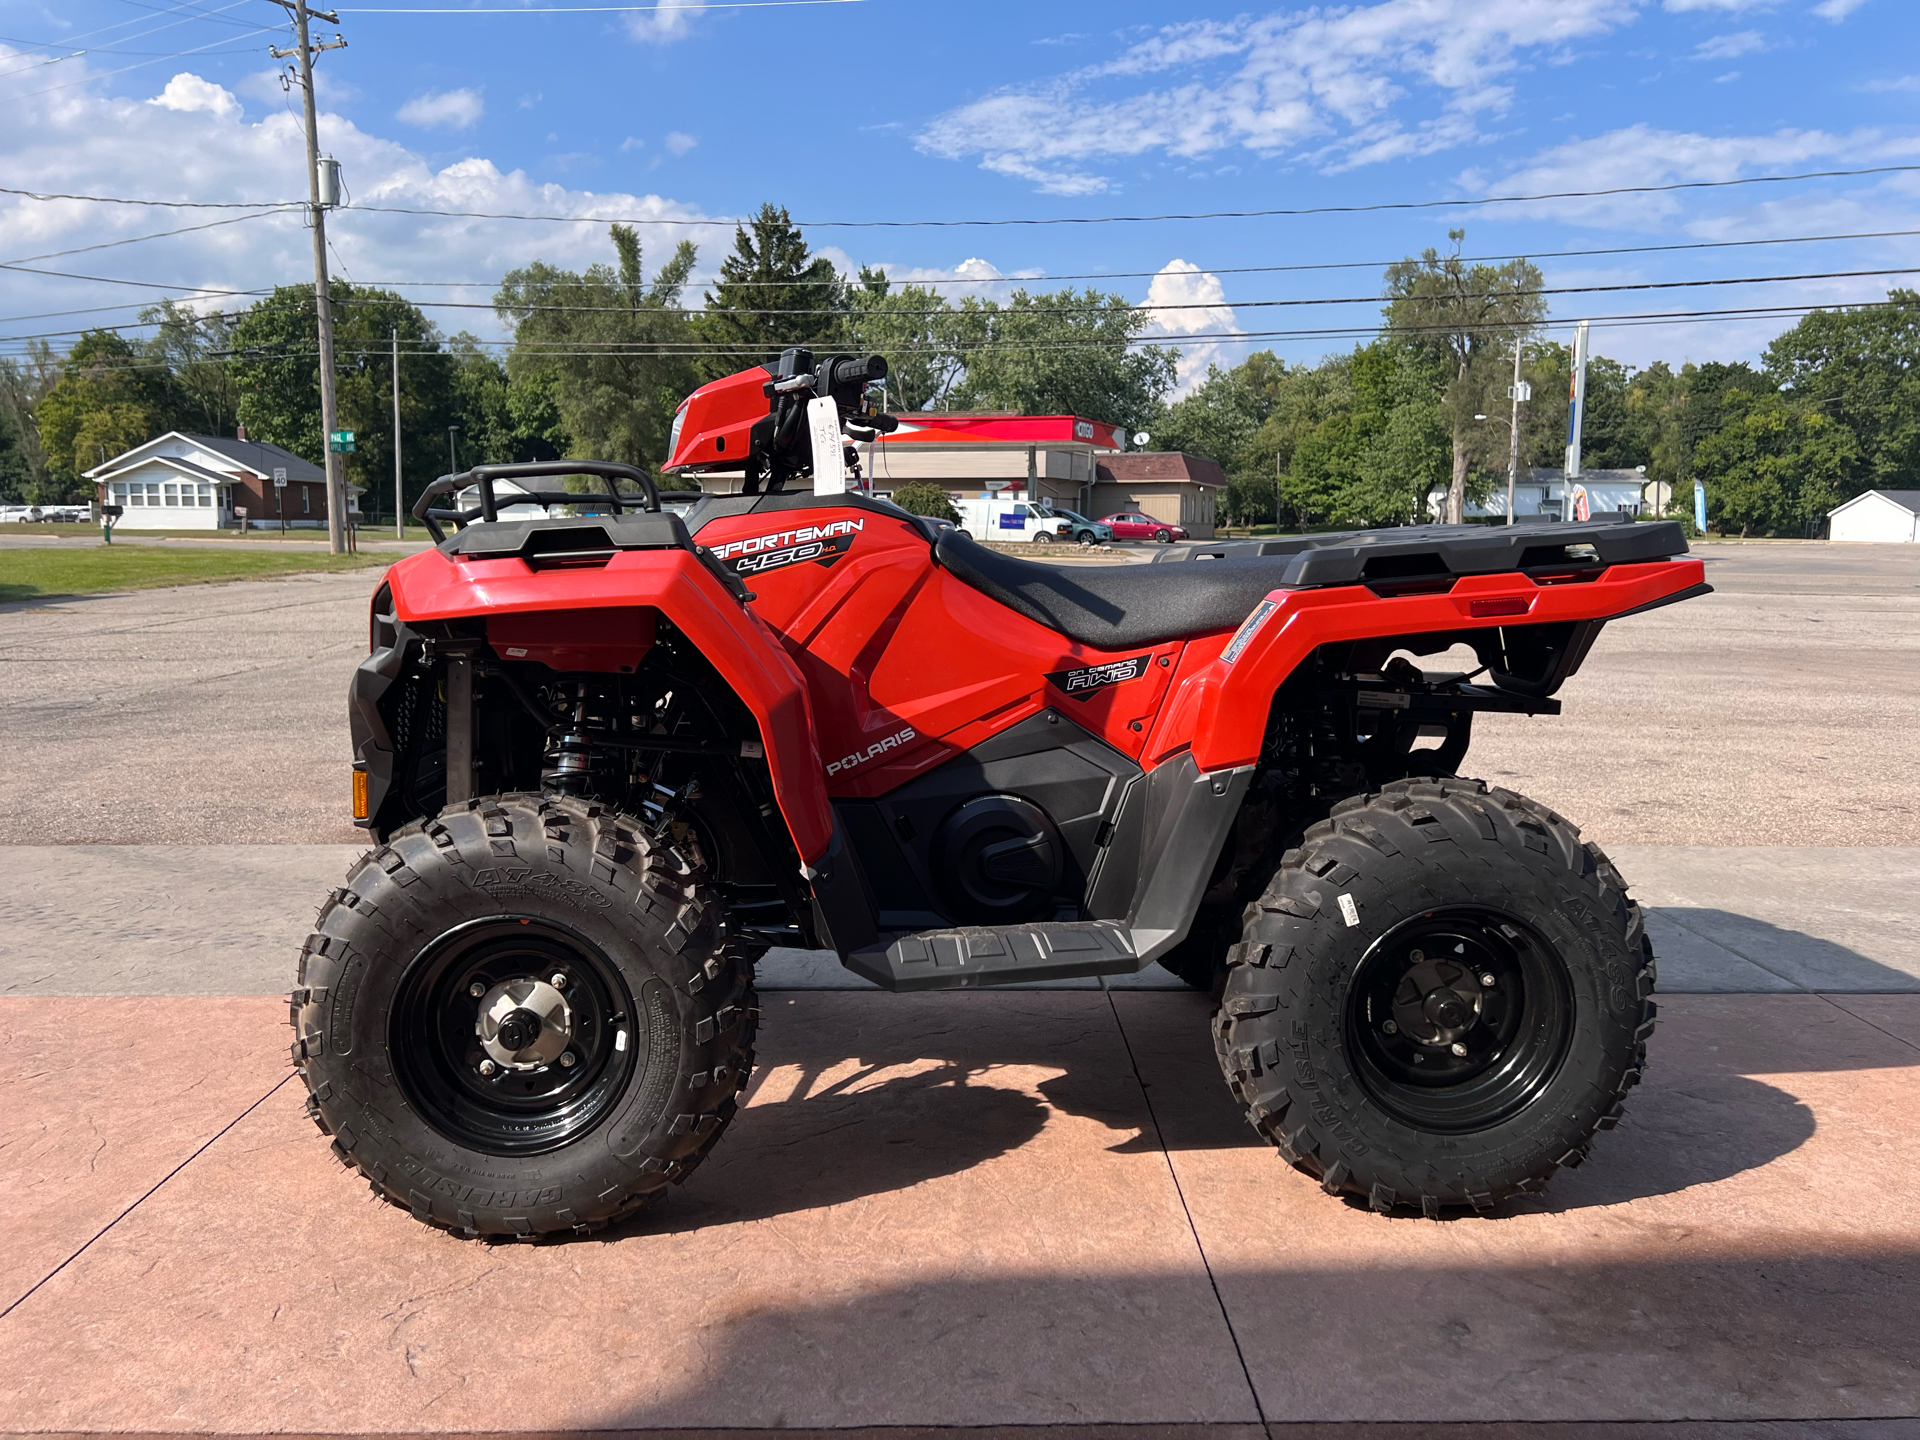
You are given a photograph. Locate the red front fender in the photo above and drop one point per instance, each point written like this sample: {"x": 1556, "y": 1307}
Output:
{"x": 430, "y": 586}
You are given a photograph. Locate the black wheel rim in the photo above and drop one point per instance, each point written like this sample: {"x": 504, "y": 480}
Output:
{"x": 497, "y": 1057}
{"x": 1459, "y": 1019}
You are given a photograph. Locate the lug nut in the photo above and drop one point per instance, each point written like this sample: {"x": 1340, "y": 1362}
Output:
{"x": 1391, "y": 1028}
{"x": 566, "y": 1060}
{"x": 1418, "y": 956}
{"x": 487, "y": 1067}
{"x": 1487, "y": 980}
{"x": 1458, "y": 1048}
{"x": 476, "y": 990}
{"x": 559, "y": 982}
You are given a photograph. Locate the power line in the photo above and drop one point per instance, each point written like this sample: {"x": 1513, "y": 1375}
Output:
{"x": 1039, "y": 220}
{"x": 591, "y": 9}
{"x": 1143, "y": 309}
{"x": 196, "y": 14}
{"x": 1149, "y": 219}
{"x": 679, "y": 349}
{"x": 136, "y": 239}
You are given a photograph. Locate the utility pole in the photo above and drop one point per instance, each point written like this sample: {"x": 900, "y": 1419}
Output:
{"x": 1513, "y": 441}
{"x": 305, "y": 50}
{"x": 399, "y": 513}
{"x": 1576, "y": 415}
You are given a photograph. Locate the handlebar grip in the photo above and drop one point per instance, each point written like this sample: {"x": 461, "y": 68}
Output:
{"x": 862, "y": 370}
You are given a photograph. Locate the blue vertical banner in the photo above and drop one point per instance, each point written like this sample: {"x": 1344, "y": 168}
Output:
{"x": 1700, "y": 506}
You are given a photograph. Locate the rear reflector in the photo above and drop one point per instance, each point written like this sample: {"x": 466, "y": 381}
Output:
{"x": 359, "y": 792}
{"x": 1500, "y": 605}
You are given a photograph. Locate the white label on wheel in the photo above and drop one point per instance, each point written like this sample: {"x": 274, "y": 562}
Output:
{"x": 1349, "y": 910}
{"x": 619, "y": 1040}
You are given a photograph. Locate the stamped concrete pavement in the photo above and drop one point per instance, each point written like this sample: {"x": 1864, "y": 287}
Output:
{"x": 1020, "y": 1213}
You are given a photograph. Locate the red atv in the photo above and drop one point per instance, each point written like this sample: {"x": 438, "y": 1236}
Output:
{"x": 613, "y": 757}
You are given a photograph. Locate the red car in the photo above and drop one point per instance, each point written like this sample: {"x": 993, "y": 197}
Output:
{"x": 1133, "y": 525}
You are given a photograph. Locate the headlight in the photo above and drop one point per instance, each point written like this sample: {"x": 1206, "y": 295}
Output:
{"x": 673, "y": 435}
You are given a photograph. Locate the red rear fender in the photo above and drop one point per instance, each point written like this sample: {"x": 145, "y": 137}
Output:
{"x": 607, "y": 615}
{"x": 1224, "y": 688}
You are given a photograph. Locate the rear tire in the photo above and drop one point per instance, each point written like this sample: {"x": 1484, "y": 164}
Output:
{"x": 465, "y": 1081}
{"x": 1357, "y": 1026}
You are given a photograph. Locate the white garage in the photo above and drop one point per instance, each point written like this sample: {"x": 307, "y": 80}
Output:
{"x": 1879, "y": 517}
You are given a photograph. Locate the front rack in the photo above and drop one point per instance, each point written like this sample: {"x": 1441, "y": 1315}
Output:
{"x": 484, "y": 477}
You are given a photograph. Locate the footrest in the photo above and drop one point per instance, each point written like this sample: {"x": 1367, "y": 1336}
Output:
{"x": 997, "y": 955}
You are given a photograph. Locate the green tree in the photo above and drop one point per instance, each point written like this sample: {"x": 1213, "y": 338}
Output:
{"x": 1773, "y": 466}
{"x": 1467, "y": 317}
{"x": 24, "y": 383}
{"x": 16, "y": 474}
{"x": 1068, "y": 353}
{"x": 1375, "y": 460}
{"x": 276, "y": 372}
{"x": 502, "y": 419}
{"x": 772, "y": 293}
{"x": 602, "y": 352}
{"x": 201, "y": 395}
{"x": 1861, "y": 367}
{"x": 922, "y": 336}
{"x": 109, "y": 398}
{"x": 1223, "y": 419}
{"x": 924, "y": 498}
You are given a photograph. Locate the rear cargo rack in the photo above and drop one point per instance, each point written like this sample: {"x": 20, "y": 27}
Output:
{"x": 488, "y": 512}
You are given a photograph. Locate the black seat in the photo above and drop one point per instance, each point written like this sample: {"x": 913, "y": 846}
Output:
{"x": 1114, "y": 607}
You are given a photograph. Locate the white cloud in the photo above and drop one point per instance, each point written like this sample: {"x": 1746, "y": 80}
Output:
{"x": 1727, "y": 78}
{"x": 1331, "y": 78}
{"x": 1731, "y": 6}
{"x": 1647, "y": 155}
{"x": 1729, "y": 47}
{"x": 631, "y": 143}
{"x": 1837, "y": 10}
{"x": 1902, "y": 82}
{"x": 78, "y": 140}
{"x": 662, "y": 26}
{"x": 190, "y": 92}
{"x": 678, "y": 142}
{"x": 443, "y": 110}
{"x": 972, "y": 277}
{"x": 1203, "y": 311}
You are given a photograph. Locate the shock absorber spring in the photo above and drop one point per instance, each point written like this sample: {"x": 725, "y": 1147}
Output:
{"x": 569, "y": 767}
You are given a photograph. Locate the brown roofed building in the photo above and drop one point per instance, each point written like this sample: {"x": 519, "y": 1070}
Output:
{"x": 1168, "y": 485}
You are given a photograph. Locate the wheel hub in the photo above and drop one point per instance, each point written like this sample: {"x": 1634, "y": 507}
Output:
{"x": 1437, "y": 1002}
{"x": 1458, "y": 1018}
{"x": 524, "y": 1023}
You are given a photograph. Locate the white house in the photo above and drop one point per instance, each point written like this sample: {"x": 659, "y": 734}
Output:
{"x": 1879, "y": 517}
{"x": 197, "y": 482}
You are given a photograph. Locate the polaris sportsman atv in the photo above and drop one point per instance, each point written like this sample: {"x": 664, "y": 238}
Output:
{"x": 611, "y": 757}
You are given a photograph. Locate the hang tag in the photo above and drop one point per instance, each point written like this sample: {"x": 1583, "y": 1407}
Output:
{"x": 1349, "y": 911}
{"x": 829, "y": 455}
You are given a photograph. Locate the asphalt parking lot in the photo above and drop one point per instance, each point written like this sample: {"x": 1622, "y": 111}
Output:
{"x": 973, "y": 1213}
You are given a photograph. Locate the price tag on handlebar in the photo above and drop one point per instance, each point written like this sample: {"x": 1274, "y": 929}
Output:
{"x": 829, "y": 455}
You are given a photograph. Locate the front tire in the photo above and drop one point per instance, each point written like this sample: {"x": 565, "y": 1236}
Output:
{"x": 1041, "y": 537}
{"x": 1439, "y": 999}
{"x": 1163, "y": 537}
{"x": 523, "y": 1017}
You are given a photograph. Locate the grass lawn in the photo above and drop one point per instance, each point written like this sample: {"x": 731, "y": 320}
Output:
{"x": 132, "y": 533}
{"x": 28, "y": 574}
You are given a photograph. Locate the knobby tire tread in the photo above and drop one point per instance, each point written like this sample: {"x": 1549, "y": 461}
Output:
{"x": 400, "y": 896}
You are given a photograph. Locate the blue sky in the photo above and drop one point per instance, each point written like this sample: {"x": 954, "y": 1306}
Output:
{"x": 888, "y": 110}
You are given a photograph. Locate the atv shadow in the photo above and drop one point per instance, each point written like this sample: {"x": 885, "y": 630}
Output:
{"x": 860, "y": 1095}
